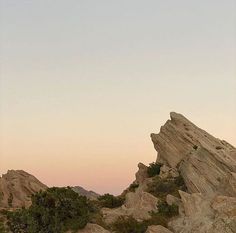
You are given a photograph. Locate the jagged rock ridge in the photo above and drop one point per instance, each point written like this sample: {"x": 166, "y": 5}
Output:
{"x": 207, "y": 164}
{"x": 208, "y": 167}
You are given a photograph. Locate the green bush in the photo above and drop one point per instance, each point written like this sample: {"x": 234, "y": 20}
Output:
{"x": 128, "y": 225}
{"x": 53, "y": 211}
{"x": 154, "y": 169}
{"x": 157, "y": 219}
{"x": 110, "y": 201}
{"x": 161, "y": 187}
{"x": 179, "y": 181}
{"x": 167, "y": 210}
{"x": 10, "y": 200}
{"x": 133, "y": 187}
{"x": 2, "y": 227}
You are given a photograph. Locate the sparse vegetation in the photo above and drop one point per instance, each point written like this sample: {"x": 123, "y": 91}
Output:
{"x": 53, "y": 211}
{"x": 161, "y": 187}
{"x": 110, "y": 201}
{"x": 161, "y": 217}
{"x": 154, "y": 169}
{"x": 10, "y": 200}
{"x": 133, "y": 187}
{"x": 128, "y": 225}
{"x": 2, "y": 227}
{"x": 167, "y": 210}
{"x": 1, "y": 196}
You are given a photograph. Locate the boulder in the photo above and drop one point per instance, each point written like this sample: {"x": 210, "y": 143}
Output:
{"x": 158, "y": 229}
{"x": 93, "y": 228}
{"x": 138, "y": 204}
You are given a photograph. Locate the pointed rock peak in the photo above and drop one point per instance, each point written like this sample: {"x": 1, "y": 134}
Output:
{"x": 179, "y": 118}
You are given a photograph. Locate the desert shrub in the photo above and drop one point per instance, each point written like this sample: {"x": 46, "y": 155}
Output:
{"x": 1, "y": 196}
{"x": 10, "y": 200}
{"x": 2, "y": 227}
{"x": 167, "y": 210}
{"x": 163, "y": 215}
{"x": 133, "y": 187}
{"x": 110, "y": 201}
{"x": 156, "y": 219}
{"x": 161, "y": 187}
{"x": 154, "y": 169}
{"x": 53, "y": 211}
{"x": 179, "y": 181}
{"x": 128, "y": 225}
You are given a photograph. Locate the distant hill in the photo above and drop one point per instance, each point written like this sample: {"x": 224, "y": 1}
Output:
{"x": 83, "y": 192}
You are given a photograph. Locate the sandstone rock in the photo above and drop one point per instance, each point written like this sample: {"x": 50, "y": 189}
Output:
{"x": 225, "y": 206}
{"x": 16, "y": 188}
{"x": 93, "y": 228}
{"x": 172, "y": 200}
{"x": 205, "y": 162}
{"x": 141, "y": 174}
{"x": 167, "y": 171}
{"x": 138, "y": 204}
{"x": 157, "y": 229}
{"x": 205, "y": 214}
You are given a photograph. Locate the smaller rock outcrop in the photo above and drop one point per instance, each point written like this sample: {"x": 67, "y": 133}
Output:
{"x": 93, "y": 228}
{"x": 138, "y": 204}
{"x": 16, "y": 188}
{"x": 158, "y": 229}
{"x": 205, "y": 214}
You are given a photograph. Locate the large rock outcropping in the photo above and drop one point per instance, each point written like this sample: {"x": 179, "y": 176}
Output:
{"x": 16, "y": 188}
{"x": 208, "y": 167}
{"x": 207, "y": 164}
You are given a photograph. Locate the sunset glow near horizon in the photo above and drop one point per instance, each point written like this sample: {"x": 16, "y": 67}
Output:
{"x": 84, "y": 83}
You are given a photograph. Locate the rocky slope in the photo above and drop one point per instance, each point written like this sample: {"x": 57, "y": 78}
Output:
{"x": 208, "y": 168}
{"x": 196, "y": 174}
{"x": 16, "y": 188}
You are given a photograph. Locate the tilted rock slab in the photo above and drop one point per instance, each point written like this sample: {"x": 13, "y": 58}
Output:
{"x": 207, "y": 164}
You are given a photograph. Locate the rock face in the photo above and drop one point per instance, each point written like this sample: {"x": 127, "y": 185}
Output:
{"x": 93, "y": 228}
{"x": 205, "y": 214}
{"x": 157, "y": 229}
{"x": 208, "y": 167}
{"x": 137, "y": 204}
{"x": 16, "y": 188}
{"x": 83, "y": 192}
{"x": 207, "y": 164}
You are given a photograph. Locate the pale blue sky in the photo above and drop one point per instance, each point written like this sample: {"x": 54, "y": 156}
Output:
{"x": 89, "y": 80}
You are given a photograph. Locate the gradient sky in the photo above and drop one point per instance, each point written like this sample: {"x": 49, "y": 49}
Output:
{"x": 85, "y": 82}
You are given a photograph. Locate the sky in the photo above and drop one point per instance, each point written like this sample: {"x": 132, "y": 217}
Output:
{"x": 83, "y": 83}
